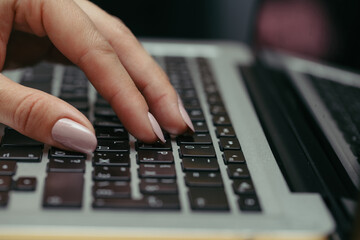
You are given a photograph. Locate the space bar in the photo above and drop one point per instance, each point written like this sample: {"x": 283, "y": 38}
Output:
{"x": 63, "y": 190}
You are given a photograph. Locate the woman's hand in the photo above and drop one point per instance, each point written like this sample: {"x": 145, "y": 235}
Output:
{"x": 109, "y": 54}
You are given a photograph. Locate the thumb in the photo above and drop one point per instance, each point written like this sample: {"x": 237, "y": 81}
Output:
{"x": 44, "y": 117}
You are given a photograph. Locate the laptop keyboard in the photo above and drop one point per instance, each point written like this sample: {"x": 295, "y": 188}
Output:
{"x": 155, "y": 163}
{"x": 344, "y": 104}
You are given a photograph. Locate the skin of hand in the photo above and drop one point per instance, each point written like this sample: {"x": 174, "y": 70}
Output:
{"x": 110, "y": 56}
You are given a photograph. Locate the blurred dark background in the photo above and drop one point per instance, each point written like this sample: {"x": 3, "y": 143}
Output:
{"x": 320, "y": 29}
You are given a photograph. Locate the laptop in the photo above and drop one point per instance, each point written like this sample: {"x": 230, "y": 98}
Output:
{"x": 270, "y": 157}
{"x": 224, "y": 182}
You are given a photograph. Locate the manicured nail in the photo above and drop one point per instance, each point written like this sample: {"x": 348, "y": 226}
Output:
{"x": 156, "y": 127}
{"x": 74, "y": 136}
{"x": 185, "y": 115}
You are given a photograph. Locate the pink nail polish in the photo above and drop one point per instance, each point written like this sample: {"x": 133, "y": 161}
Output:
{"x": 185, "y": 115}
{"x": 156, "y": 127}
{"x": 74, "y": 136}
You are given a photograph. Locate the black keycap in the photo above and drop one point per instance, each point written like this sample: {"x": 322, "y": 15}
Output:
{"x": 217, "y": 109}
{"x": 157, "y": 171}
{"x": 200, "y": 127}
{"x": 249, "y": 203}
{"x": 150, "y": 156}
{"x": 74, "y": 96}
{"x": 200, "y": 164}
{"x": 111, "y": 133}
{"x": 104, "y": 123}
{"x": 196, "y": 138}
{"x": 148, "y": 202}
{"x": 243, "y": 186}
{"x": 208, "y": 199}
{"x": 221, "y": 120}
{"x": 59, "y": 153}
{"x": 158, "y": 186}
{"x": 196, "y": 115}
{"x": 112, "y": 146}
{"x": 197, "y": 151}
{"x": 5, "y": 183}
{"x": 214, "y": 99}
{"x": 203, "y": 179}
{"x": 14, "y": 138}
{"x": 233, "y": 156}
{"x": 26, "y": 184}
{"x": 107, "y": 189}
{"x": 229, "y": 144}
{"x": 225, "y": 131}
{"x": 238, "y": 171}
{"x": 21, "y": 154}
{"x": 8, "y": 168}
{"x": 66, "y": 165}
{"x": 191, "y": 104}
{"x": 187, "y": 94}
{"x": 63, "y": 190}
{"x": 80, "y": 105}
{"x": 4, "y": 198}
{"x": 104, "y": 112}
{"x": 155, "y": 146}
{"x": 111, "y": 159}
{"x": 108, "y": 173}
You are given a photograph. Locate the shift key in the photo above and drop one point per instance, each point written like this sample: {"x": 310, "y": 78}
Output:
{"x": 63, "y": 190}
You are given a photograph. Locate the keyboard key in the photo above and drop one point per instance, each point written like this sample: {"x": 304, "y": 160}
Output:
{"x": 80, "y": 105}
{"x": 191, "y": 104}
{"x": 207, "y": 151}
{"x": 158, "y": 186}
{"x": 104, "y": 112}
{"x": 63, "y": 190}
{"x": 155, "y": 146}
{"x": 5, "y": 183}
{"x": 107, "y": 173}
{"x": 214, "y": 98}
{"x": 233, "y": 156}
{"x": 203, "y": 179}
{"x": 59, "y": 153}
{"x": 243, "y": 186}
{"x": 112, "y": 146}
{"x": 157, "y": 171}
{"x": 148, "y": 202}
{"x": 196, "y": 138}
{"x": 4, "y": 198}
{"x": 249, "y": 203}
{"x": 225, "y": 131}
{"x": 196, "y": 115}
{"x": 107, "y": 123}
{"x": 200, "y": 164}
{"x": 150, "y": 156}
{"x": 14, "y": 138}
{"x": 25, "y": 184}
{"x": 74, "y": 96}
{"x": 21, "y": 154}
{"x": 107, "y": 189}
{"x": 238, "y": 171}
{"x": 208, "y": 199}
{"x": 200, "y": 127}
{"x": 229, "y": 144}
{"x": 217, "y": 109}
{"x": 66, "y": 165}
{"x": 111, "y": 133}
{"x": 8, "y": 168}
{"x": 111, "y": 159}
{"x": 221, "y": 120}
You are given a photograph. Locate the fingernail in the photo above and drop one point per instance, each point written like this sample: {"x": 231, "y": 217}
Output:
{"x": 156, "y": 127}
{"x": 74, "y": 136}
{"x": 185, "y": 115}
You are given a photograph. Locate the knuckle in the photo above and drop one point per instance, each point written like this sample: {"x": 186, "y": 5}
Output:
{"x": 120, "y": 27}
{"x": 28, "y": 112}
